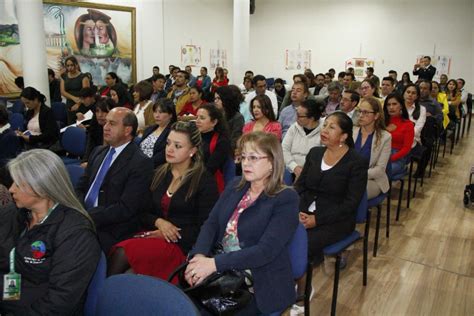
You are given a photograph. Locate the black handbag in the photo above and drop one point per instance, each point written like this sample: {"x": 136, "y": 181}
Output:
{"x": 221, "y": 293}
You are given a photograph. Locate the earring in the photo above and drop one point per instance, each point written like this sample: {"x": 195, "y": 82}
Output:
{"x": 340, "y": 144}
{"x": 191, "y": 155}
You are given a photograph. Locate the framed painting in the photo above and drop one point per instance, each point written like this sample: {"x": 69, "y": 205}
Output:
{"x": 101, "y": 37}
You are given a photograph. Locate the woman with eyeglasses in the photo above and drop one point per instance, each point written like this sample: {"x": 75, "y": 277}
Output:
{"x": 254, "y": 220}
{"x": 373, "y": 143}
{"x": 71, "y": 84}
{"x": 331, "y": 186}
{"x": 368, "y": 88}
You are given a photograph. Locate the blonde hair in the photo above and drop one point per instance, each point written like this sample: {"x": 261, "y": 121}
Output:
{"x": 45, "y": 174}
{"x": 379, "y": 123}
{"x": 194, "y": 173}
{"x": 269, "y": 145}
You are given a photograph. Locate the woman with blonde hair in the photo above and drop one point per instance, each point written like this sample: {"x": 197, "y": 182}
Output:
{"x": 373, "y": 142}
{"x": 56, "y": 249}
{"x": 264, "y": 212}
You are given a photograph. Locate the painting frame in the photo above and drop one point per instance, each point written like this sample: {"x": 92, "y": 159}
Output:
{"x": 116, "y": 8}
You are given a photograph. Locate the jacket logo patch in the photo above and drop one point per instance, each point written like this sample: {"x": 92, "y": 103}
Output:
{"x": 38, "y": 249}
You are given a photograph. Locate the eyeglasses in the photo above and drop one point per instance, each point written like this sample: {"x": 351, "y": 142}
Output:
{"x": 364, "y": 112}
{"x": 251, "y": 158}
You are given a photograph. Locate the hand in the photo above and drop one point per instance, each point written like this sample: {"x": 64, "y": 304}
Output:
{"x": 416, "y": 66}
{"x": 169, "y": 231}
{"x": 391, "y": 127}
{"x": 150, "y": 234}
{"x": 297, "y": 171}
{"x": 79, "y": 116}
{"x": 84, "y": 165}
{"x": 199, "y": 268}
{"x": 428, "y": 114}
{"x": 308, "y": 221}
{"x": 75, "y": 107}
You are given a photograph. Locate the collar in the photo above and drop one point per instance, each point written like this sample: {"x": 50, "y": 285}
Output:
{"x": 120, "y": 148}
{"x": 4, "y": 128}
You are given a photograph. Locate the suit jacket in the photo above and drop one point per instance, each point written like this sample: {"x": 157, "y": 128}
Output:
{"x": 337, "y": 191}
{"x": 48, "y": 126}
{"x": 379, "y": 157}
{"x": 187, "y": 214}
{"x": 425, "y": 73}
{"x": 10, "y": 146}
{"x": 159, "y": 157}
{"x": 265, "y": 230}
{"x": 125, "y": 191}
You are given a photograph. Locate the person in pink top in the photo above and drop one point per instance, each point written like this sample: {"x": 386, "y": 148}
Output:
{"x": 263, "y": 117}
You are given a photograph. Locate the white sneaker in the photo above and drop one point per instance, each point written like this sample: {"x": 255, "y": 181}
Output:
{"x": 299, "y": 309}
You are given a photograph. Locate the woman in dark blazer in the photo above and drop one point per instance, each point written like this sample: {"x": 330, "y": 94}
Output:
{"x": 153, "y": 142}
{"x": 331, "y": 185}
{"x": 265, "y": 228}
{"x": 183, "y": 194}
{"x": 40, "y": 122}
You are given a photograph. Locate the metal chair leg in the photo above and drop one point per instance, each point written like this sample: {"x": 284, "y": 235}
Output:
{"x": 409, "y": 184}
{"x": 366, "y": 249}
{"x": 308, "y": 288}
{"x": 402, "y": 183}
{"x": 387, "y": 229}
{"x": 336, "y": 285}
{"x": 377, "y": 229}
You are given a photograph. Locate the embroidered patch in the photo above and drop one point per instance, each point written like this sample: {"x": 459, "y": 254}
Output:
{"x": 38, "y": 248}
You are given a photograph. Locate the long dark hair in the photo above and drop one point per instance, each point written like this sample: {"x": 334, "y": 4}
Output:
{"x": 400, "y": 100}
{"x": 122, "y": 94}
{"x": 195, "y": 170}
{"x": 231, "y": 98}
{"x": 455, "y": 91}
{"x": 32, "y": 94}
{"x": 265, "y": 106}
{"x": 215, "y": 114}
{"x": 346, "y": 125}
{"x": 416, "y": 112}
{"x": 166, "y": 106}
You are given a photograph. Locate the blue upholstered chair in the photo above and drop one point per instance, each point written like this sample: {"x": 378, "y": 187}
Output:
{"x": 75, "y": 173}
{"x": 229, "y": 171}
{"x": 130, "y": 294}
{"x": 17, "y": 121}
{"x": 336, "y": 249}
{"x": 95, "y": 286}
{"x": 73, "y": 141}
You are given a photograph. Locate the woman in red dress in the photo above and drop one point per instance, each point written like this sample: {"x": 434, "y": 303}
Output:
{"x": 219, "y": 81}
{"x": 183, "y": 194}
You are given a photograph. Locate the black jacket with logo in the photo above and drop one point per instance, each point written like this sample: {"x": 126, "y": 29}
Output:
{"x": 56, "y": 260}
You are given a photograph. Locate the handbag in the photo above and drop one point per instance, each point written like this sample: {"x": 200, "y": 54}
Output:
{"x": 221, "y": 293}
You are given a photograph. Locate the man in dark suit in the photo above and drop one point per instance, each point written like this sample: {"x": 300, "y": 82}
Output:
{"x": 116, "y": 184}
{"x": 424, "y": 70}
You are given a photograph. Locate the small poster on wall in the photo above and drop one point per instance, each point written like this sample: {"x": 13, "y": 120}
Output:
{"x": 441, "y": 62}
{"x": 360, "y": 66}
{"x": 190, "y": 55}
{"x": 297, "y": 59}
{"x": 218, "y": 58}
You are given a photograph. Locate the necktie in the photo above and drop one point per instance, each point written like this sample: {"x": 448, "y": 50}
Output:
{"x": 94, "y": 191}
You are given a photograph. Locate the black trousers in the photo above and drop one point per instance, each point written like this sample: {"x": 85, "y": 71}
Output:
{"x": 325, "y": 235}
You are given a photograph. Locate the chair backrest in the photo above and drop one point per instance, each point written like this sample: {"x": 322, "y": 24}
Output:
{"x": 18, "y": 107}
{"x": 229, "y": 171}
{"x": 298, "y": 250}
{"x": 362, "y": 209}
{"x": 287, "y": 177}
{"x": 75, "y": 173}
{"x": 95, "y": 286}
{"x": 74, "y": 141}
{"x": 17, "y": 121}
{"x": 130, "y": 294}
{"x": 59, "y": 112}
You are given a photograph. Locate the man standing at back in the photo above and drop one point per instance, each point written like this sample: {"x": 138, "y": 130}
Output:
{"x": 115, "y": 187}
{"x": 260, "y": 85}
{"x": 424, "y": 70}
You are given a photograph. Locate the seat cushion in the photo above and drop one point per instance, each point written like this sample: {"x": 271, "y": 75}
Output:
{"x": 336, "y": 248}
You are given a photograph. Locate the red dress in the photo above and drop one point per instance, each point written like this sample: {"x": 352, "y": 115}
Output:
{"x": 402, "y": 137}
{"x": 189, "y": 109}
{"x": 222, "y": 83}
{"x": 153, "y": 256}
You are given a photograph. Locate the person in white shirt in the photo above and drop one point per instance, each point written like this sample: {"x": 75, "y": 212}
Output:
{"x": 260, "y": 85}
{"x": 464, "y": 93}
{"x": 416, "y": 112}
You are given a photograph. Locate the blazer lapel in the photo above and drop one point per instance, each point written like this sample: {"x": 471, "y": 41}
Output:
{"x": 98, "y": 161}
{"x": 121, "y": 160}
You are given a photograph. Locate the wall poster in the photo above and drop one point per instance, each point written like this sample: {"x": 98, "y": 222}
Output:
{"x": 190, "y": 55}
{"x": 297, "y": 59}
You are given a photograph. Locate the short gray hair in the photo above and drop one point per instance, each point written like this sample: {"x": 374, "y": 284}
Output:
{"x": 44, "y": 172}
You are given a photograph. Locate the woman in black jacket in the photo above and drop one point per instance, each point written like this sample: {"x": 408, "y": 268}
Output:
{"x": 154, "y": 138}
{"x": 55, "y": 246}
{"x": 331, "y": 186}
{"x": 42, "y": 129}
{"x": 183, "y": 194}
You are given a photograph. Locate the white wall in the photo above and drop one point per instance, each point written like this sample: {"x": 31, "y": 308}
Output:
{"x": 392, "y": 32}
